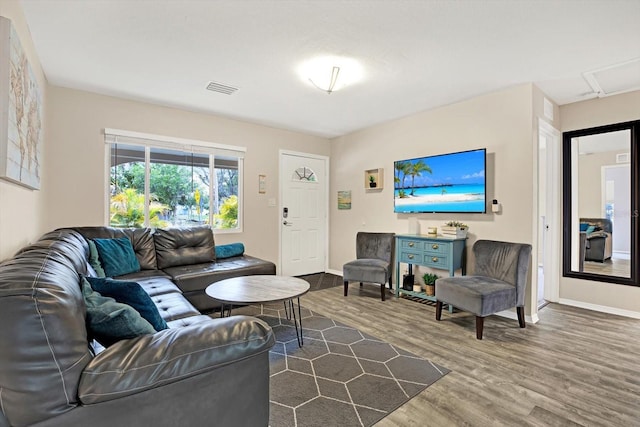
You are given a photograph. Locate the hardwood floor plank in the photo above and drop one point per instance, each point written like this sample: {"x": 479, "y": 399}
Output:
{"x": 574, "y": 367}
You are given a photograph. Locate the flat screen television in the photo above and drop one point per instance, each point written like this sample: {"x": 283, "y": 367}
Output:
{"x": 445, "y": 183}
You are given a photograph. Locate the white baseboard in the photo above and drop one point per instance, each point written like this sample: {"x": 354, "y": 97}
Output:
{"x": 336, "y": 272}
{"x": 513, "y": 315}
{"x": 600, "y": 308}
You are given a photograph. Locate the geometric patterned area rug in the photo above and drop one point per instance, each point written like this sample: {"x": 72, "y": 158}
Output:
{"x": 341, "y": 376}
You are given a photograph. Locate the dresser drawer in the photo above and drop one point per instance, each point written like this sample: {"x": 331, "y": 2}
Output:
{"x": 437, "y": 248}
{"x": 411, "y": 257}
{"x": 436, "y": 261}
{"x": 411, "y": 245}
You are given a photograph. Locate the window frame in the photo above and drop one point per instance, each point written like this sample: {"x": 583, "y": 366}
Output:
{"x": 150, "y": 141}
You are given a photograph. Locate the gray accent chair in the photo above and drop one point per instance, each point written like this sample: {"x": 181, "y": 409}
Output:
{"x": 498, "y": 283}
{"x": 599, "y": 243}
{"x": 374, "y": 264}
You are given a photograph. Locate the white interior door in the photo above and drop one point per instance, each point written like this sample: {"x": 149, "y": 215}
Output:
{"x": 303, "y": 213}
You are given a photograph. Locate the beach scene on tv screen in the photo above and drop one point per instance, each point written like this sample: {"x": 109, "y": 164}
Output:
{"x": 448, "y": 183}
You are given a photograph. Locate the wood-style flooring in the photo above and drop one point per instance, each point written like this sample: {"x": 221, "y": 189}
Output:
{"x": 574, "y": 367}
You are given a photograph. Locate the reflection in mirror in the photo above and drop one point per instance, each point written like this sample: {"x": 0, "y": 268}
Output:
{"x": 602, "y": 194}
{"x": 601, "y": 203}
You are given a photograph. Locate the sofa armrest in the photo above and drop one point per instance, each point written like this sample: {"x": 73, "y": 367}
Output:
{"x": 133, "y": 366}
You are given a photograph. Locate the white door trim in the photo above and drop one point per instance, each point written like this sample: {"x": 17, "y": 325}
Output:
{"x": 281, "y": 206}
{"x": 552, "y": 187}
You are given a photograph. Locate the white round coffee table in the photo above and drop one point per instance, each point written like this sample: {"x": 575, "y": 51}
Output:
{"x": 260, "y": 289}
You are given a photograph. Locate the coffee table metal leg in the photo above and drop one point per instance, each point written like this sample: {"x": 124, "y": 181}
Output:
{"x": 286, "y": 310}
{"x": 225, "y": 311}
{"x": 297, "y": 320}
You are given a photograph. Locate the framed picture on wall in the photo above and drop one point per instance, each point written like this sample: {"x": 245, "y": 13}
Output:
{"x": 344, "y": 199}
{"x": 21, "y": 112}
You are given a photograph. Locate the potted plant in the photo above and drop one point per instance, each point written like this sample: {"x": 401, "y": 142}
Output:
{"x": 372, "y": 181}
{"x": 430, "y": 283}
{"x": 455, "y": 229}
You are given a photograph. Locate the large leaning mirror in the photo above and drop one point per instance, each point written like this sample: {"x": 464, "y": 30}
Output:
{"x": 600, "y": 200}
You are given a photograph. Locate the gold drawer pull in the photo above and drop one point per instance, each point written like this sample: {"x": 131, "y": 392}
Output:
{"x": 434, "y": 246}
{"x": 410, "y": 244}
{"x": 410, "y": 256}
{"x": 434, "y": 259}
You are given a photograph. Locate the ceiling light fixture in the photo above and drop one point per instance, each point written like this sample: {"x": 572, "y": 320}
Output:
{"x": 330, "y": 73}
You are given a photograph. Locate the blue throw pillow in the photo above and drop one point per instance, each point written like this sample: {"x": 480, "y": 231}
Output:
{"x": 227, "y": 251}
{"x": 130, "y": 293}
{"x": 117, "y": 256}
{"x": 94, "y": 259}
{"x": 109, "y": 321}
{"x": 583, "y": 226}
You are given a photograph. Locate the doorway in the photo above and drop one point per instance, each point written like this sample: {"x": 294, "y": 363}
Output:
{"x": 548, "y": 214}
{"x": 303, "y": 213}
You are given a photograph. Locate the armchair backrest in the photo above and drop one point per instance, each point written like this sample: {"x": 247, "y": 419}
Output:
{"x": 504, "y": 261}
{"x": 375, "y": 245}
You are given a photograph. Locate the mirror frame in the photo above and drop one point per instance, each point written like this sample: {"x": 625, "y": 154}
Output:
{"x": 634, "y": 127}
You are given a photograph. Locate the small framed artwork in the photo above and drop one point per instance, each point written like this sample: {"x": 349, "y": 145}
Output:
{"x": 344, "y": 199}
{"x": 262, "y": 184}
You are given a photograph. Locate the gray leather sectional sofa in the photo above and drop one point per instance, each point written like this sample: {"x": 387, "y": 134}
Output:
{"x": 200, "y": 371}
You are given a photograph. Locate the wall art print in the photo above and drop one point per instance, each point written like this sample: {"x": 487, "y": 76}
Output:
{"x": 21, "y": 112}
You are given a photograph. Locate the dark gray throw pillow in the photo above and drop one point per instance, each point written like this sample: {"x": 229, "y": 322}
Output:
{"x": 109, "y": 321}
{"x": 132, "y": 294}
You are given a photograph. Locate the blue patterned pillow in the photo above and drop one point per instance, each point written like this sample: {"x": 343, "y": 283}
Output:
{"x": 117, "y": 256}
{"x": 130, "y": 293}
{"x": 227, "y": 251}
{"x": 109, "y": 321}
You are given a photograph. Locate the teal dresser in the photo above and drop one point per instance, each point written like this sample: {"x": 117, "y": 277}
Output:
{"x": 433, "y": 252}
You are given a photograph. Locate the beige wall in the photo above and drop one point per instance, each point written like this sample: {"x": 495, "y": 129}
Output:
{"x": 21, "y": 219}
{"x": 582, "y": 115}
{"x": 502, "y": 122}
{"x": 590, "y": 179}
{"x": 76, "y": 162}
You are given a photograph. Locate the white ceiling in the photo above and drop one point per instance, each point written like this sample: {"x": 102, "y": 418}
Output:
{"x": 416, "y": 55}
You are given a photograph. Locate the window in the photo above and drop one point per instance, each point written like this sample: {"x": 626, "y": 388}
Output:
{"x": 160, "y": 182}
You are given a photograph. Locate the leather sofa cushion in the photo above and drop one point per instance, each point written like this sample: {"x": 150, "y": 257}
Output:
{"x": 133, "y": 366}
{"x": 174, "y": 306}
{"x": 141, "y": 239}
{"x": 184, "y": 246}
{"x": 199, "y": 276}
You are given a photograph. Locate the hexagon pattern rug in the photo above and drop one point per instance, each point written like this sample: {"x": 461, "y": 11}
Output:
{"x": 340, "y": 376}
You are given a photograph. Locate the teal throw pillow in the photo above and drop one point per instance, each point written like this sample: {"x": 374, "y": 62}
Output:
{"x": 117, "y": 256}
{"x": 591, "y": 229}
{"x": 94, "y": 259}
{"x": 230, "y": 250}
{"x": 132, "y": 294}
{"x": 109, "y": 321}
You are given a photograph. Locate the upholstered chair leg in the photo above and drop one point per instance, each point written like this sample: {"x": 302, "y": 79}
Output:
{"x": 479, "y": 325}
{"x": 390, "y": 283}
{"x": 383, "y": 291}
{"x": 346, "y": 288}
{"x": 438, "y": 310}
{"x": 360, "y": 284}
{"x": 520, "y": 311}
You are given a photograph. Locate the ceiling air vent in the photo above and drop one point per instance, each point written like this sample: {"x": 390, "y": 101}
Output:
{"x": 221, "y": 88}
{"x": 623, "y": 158}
